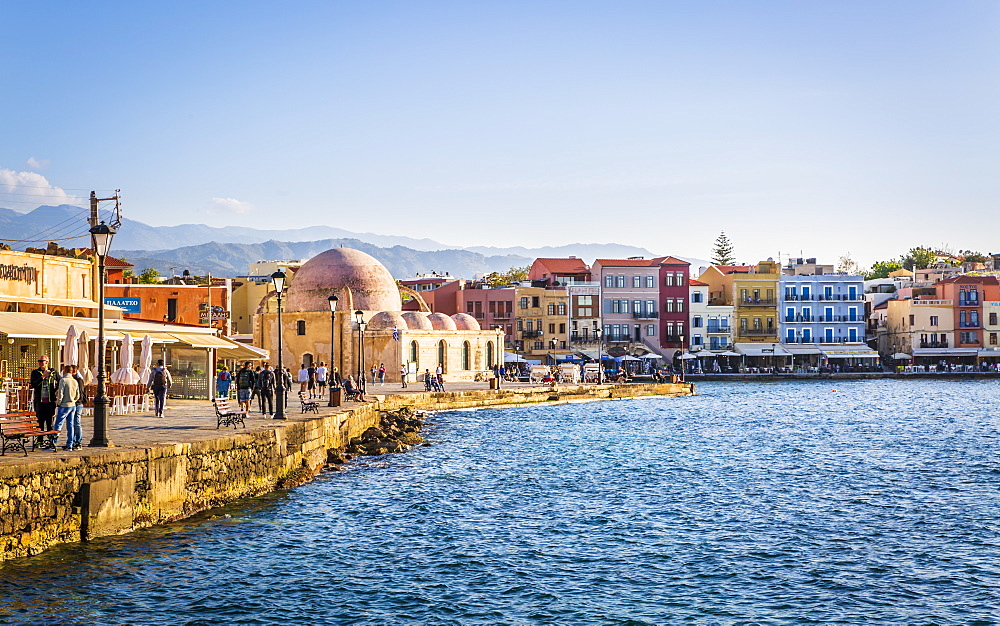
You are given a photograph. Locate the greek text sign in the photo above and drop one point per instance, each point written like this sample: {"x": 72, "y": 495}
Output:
{"x": 129, "y": 305}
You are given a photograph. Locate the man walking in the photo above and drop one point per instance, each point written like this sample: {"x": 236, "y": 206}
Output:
{"x": 159, "y": 382}
{"x": 245, "y": 381}
{"x": 266, "y": 384}
{"x": 67, "y": 393}
{"x": 402, "y": 374}
{"x": 74, "y": 425}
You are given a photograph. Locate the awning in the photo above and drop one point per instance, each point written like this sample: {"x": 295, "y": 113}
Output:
{"x": 242, "y": 351}
{"x": 761, "y": 349}
{"x": 804, "y": 350}
{"x": 945, "y": 352}
{"x": 65, "y": 302}
{"x": 32, "y": 325}
{"x": 197, "y": 340}
{"x": 989, "y": 353}
{"x": 563, "y": 356}
{"x": 848, "y": 351}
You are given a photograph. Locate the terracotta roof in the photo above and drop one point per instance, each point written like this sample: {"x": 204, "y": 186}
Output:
{"x": 883, "y": 305}
{"x": 982, "y": 280}
{"x": 696, "y": 283}
{"x": 672, "y": 260}
{"x": 110, "y": 261}
{"x": 564, "y": 266}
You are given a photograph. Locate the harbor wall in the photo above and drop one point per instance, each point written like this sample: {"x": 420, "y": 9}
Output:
{"x": 46, "y": 502}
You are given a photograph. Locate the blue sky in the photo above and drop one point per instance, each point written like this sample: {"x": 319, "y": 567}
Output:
{"x": 820, "y": 127}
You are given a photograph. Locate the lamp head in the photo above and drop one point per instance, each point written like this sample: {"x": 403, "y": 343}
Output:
{"x": 359, "y": 316}
{"x": 333, "y": 303}
{"x": 278, "y": 280}
{"x": 101, "y": 236}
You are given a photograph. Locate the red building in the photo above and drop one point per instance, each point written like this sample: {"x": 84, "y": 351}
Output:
{"x": 674, "y": 296}
{"x": 180, "y": 304}
{"x": 967, "y": 294}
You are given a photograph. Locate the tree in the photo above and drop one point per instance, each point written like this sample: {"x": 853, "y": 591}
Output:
{"x": 149, "y": 276}
{"x": 502, "y": 279}
{"x": 722, "y": 253}
{"x": 848, "y": 265}
{"x": 974, "y": 257}
{"x": 882, "y": 269}
{"x": 919, "y": 258}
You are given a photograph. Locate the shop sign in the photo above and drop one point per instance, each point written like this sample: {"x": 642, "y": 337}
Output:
{"x": 23, "y": 273}
{"x": 129, "y": 305}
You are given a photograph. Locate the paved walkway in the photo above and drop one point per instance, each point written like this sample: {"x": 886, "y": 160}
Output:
{"x": 194, "y": 420}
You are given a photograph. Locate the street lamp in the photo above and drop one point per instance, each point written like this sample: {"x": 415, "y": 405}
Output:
{"x": 278, "y": 280}
{"x": 360, "y": 317}
{"x": 100, "y": 237}
{"x": 600, "y": 355}
{"x": 333, "y": 338}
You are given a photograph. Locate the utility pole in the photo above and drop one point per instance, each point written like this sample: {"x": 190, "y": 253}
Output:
{"x": 94, "y": 219}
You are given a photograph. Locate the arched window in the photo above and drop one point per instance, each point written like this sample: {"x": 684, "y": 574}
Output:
{"x": 79, "y": 314}
{"x": 490, "y": 363}
{"x": 57, "y": 312}
{"x": 300, "y": 327}
{"x": 466, "y": 356}
{"x": 415, "y": 353}
{"x": 443, "y": 355}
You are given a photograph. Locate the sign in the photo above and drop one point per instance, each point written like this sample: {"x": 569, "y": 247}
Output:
{"x": 24, "y": 273}
{"x": 216, "y": 315}
{"x": 128, "y": 305}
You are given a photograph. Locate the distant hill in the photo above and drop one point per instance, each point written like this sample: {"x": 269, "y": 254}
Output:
{"x": 228, "y": 250}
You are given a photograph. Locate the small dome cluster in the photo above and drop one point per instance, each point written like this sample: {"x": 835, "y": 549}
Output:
{"x": 417, "y": 320}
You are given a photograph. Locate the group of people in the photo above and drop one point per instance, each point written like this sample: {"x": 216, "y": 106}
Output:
{"x": 434, "y": 381}
{"x": 60, "y": 396}
{"x": 260, "y": 383}
{"x": 313, "y": 379}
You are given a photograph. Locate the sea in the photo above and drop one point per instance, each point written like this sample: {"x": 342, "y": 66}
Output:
{"x": 831, "y": 502}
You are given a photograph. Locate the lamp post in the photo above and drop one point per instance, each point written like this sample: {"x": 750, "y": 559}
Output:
{"x": 333, "y": 338}
{"x": 100, "y": 237}
{"x": 360, "y": 317}
{"x": 600, "y": 355}
{"x": 278, "y": 280}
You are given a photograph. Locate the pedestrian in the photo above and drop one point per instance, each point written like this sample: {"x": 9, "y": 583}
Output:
{"x": 74, "y": 428}
{"x": 222, "y": 382}
{"x": 427, "y": 380}
{"x": 258, "y": 374}
{"x": 402, "y": 374}
{"x": 321, "y": 376}
{"x": 43, "y": 385}
{"x": 159, "y": 383}
{"x": 374, "y": 372}
{"x": 245, "y": 382}
{"x": 311, "y": 382}
{"x": 335, "y": 379}
{"x": 381, "y": 374}
{"x": 287, "y": 384}
{"x": 266, "y": 384}
{"x": 67, "y": 393}
{"x": 303, "y": 377}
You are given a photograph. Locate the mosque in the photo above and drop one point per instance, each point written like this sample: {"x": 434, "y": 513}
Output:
{"x": 369, "y": 325}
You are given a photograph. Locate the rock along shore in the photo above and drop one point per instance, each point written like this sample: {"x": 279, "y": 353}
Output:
{"x": 47, "y": 499}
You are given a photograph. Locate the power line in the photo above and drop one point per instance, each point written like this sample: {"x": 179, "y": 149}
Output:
{"x": 47, "y": 187}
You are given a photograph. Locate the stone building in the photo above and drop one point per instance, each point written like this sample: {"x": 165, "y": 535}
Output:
{"x": 418, "y": 339}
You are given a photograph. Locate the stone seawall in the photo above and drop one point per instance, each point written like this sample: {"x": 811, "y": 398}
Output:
{"x": 114, "y": 491}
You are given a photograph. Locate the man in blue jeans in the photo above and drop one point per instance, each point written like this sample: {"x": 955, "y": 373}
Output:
{"x": 159, "y": 382}
{"x": 67, "y": 394}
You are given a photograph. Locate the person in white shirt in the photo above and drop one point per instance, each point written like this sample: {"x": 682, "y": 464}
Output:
{"x": 303, "y": 378}
{"x": 321, "y": 372}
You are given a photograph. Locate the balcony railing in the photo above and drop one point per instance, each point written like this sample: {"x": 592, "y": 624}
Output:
{"x": 933, "y": 344}
{"x": 672, "y": 338}
{"x": 531, "y": 334}
{"x": 932, "y": 302}
{"x": 799, "y": 318}
{"x": 757, "y": 332}
{"x": 969, "y": 325}
{"x": 757, "y": 301}
{"x": 822, "y": 297}
{"x": 811, "y": 340}
{"x": 645, "y": 315}
{"x": 613, "y": 338}
{"x": 584, "y": 338}
{"x": 502, "y": 316}
{"x": 719, "y": 330}
{"x": 967, "y": 302}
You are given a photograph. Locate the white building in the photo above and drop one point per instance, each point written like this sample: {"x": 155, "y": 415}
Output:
{"x": 711, "y": 324}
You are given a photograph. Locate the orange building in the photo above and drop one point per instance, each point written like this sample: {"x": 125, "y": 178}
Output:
{"x": 179, "y": 304}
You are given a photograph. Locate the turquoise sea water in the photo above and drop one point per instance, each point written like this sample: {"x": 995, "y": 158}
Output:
{"x": 759, "y": 503}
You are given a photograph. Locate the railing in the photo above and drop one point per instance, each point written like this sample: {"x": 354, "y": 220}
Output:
{"x": 932, "y": 302}
{"x": 968, "y": 302}
{"x": 502, "y": 316}
{"x": 757, "y": 302}
{"x": 814, "y": 340}
{"x": 531, "y": 334}
{"x": 757, "y": 332}
{"x": 933, "y": 344}
{"x": 822, "y": 297}
{"x": 717, "y": 302}
{"x": 618, "y": 338}
{"x": 800, "y": 318}
{"x": 672, "y": 338}
{"x": 645, "y": 315}
{"x": 969, "y": 325}
{"x": 718, "y": 329}
{"x": 584, "y": 338}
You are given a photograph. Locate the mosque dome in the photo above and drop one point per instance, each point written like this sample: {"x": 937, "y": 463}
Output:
{"x": 341, "y": 270}
{"x": 440, "y": 321}
{"x": 464, "y": 321}
{"x": 416, "y": 320}
{"x": 387, "y": 320}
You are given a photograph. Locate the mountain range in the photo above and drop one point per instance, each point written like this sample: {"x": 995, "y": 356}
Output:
{"x": 228, "y": 250}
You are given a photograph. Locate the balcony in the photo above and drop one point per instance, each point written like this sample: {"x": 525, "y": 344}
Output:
{"x": 502, "y": 316}
{"x": 531, "y": 334}
{"x": 933, "y": 344}
{"x": 799, "y": 318}
{"x": 822, "y": 297}
{"x": 574, "y": 338}
{"x": 758, "y": 332}
{"x": 757, "y": 301}
{"x": 671, "y": 338}
{"x": 619, "y": 338}
{"x": 645, "y": 315}
{"x": 970, "y": 325}
{"x": 718, "y": 330}
{"x": 962, "y": 302}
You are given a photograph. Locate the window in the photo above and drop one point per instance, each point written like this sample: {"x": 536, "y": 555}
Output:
{"x": 524, "y": 303}
{"x": 443, "y": 355}
{"x": 757, "y": 325}
{"x": 696, "y": 321}
{"x": 585, "y": 300}
{"x": 993, "y": 339}
{"x": 696, "y": 296}
{"x": 650, "y": 282}
{"x": 534, "y": 302}
{"x": 852, "y": 334}
{"x": 993, "y": 319}
{"x": 806, "y": 335}
{"x": 668, "y": 279}
{"x": 668, "y": 328}
{"x": 562, "y": 328}
{"x": 636, "y": 282}
{"x": 680, "y": 328}
{"x": 552, "y": 309}
{"x": 490, "y": 359}
{"x": 466, "y": 356}
{"x": 790, "y": 335}
{"x": 607, "y": 306}
{"x": 934, "y": 320}
{"x": 561, "y": 308}
{"x": 529, "y": 325}
{"x": 680, "y": 305}
{"x": 552, "y": 329}
{"x": 620, "y": 282}
{"x": 911, "y": 320}
{"x": 637, "y": 306}
{"x": 828, "y": 335}
{"x": 609, "y": 281}
{"x": 650, "y": 330}
{"x": 520, "y": 324}
{"x": 668, "y": 305}
{"x": 300, "y": 327}
{"x": 414, "y": 353}
{"x": 696, "y": 340}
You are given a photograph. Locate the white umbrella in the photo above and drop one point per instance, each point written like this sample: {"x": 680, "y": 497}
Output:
{"x": 629, "y": 357}
{"x": 83, "y": 349}
{"x": 651, "y": 356}
{"x": 125, "y": 374}
{"x": 687, "y": 355}
{"x": 510, "y": 357}
{"x": 730, "y": 353}
{"x": 901, "y": 355}
{"x": 70, "y": 352}
{"x": 146, "y": 359}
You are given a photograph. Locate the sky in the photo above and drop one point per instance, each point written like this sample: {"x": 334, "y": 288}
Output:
{"x": 805, "y": 128}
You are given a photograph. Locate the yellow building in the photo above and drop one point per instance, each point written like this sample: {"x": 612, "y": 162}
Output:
{"x": 542, "y": 321}
{"x": 752, "y": 292}
{"x": 922, "y": 328}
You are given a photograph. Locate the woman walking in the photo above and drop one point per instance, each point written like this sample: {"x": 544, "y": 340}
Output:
{"x": 223, "y": 381}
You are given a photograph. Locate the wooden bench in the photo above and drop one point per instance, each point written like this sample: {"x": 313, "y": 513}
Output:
{"x": 17, "y": 428}
{"x": 225, "y": 415}
{"x": 308, "y": 405}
